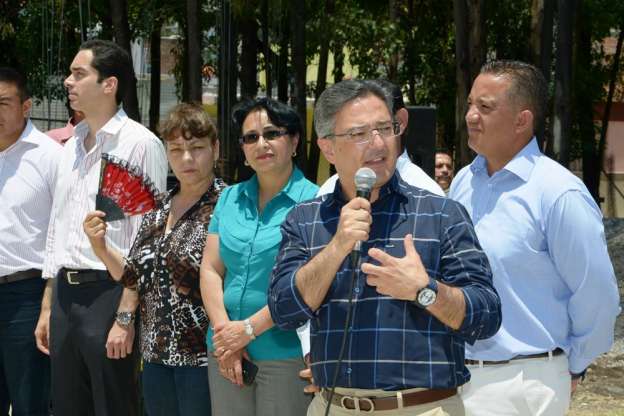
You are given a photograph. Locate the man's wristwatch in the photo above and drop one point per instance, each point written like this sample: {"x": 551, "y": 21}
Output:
{"x": 249, "y": 329}
{"x": 124, "y": 319}
{"x": 427, "y": 295}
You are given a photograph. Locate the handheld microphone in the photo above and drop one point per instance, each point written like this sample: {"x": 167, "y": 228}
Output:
{"x": 364, "y": 180}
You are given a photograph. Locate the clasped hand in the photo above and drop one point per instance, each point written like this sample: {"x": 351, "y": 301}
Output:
{"x": 229, "y": 341}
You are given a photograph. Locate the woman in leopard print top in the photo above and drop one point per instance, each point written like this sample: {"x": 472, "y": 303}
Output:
{"x": 163, "y": 266}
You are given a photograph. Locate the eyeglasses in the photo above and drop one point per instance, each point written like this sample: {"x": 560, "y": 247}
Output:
{"x": 365, "y": 136}
{"x": 251, "y": 138}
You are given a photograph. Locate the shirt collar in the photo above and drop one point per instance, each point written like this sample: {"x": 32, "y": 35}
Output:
{"x": 392, "y": 186}
{"x": 521, "y": 164}
{"x": 111, "y": 127}
{"x": 292, "y": 189}
{"x": 27, "y": 136}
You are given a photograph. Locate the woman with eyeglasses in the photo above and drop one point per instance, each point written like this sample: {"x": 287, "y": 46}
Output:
{"x": 242, "y": 243}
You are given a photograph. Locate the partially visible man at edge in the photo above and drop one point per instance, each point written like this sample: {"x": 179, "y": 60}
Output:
{"x": 28, "y": 165}
{"x": 88, "y": 317}
{"x": 544, "y": 237}
{"x": 424, "y": 286}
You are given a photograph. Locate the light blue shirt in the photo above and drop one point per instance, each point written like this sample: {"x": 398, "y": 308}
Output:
{"x": 543, "y": 235}
{"x": 248, "y": 245}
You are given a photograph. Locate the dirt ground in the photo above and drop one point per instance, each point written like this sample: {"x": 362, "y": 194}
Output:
{"x": 602, "y": 392}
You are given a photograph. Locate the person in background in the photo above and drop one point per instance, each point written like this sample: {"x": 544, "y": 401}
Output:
{"x": 62, "y": 134}
{"x": 163, "y": 266}
{"x": 543, "y": 235}
{"x": 86, "y": 320}
{"x": 243, "y": 239}
{"x": 443, "y": 169}
{"x": 422, "y": 289}
{"x": 28, "y": 164}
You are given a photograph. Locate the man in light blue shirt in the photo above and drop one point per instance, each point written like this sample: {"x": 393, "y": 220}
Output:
{"x": 544, "y": 238}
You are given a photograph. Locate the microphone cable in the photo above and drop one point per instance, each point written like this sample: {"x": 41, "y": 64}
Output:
{"x": 345, "y": 332}
{"x": 364, "y": 179}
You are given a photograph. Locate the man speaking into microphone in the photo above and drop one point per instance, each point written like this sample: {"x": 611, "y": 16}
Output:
{"x": 421, "y": 288}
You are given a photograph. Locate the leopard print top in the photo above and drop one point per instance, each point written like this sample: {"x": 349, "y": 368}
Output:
{"x": 164, "y": 269}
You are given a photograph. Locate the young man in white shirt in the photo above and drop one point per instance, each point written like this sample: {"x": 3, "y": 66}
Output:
{"x": 86, "y": 322}
{"x": 28, "y": 161}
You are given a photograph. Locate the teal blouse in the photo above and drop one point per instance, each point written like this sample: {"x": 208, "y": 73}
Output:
{"x": 248, "y": 245}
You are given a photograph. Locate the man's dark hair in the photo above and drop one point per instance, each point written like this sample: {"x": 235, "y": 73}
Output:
{"x": 280, "y": 114}
{"x": 445, "y": 151}
{"x": 528, "y": 86}
{"x": 13, "y": 76}
{"x": 393, "y": 90}
{"x": 111, "y": 60}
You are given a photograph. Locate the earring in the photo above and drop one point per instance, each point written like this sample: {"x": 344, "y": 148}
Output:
{"x": 294, "y": 153}
{"x": 246, "y": 163}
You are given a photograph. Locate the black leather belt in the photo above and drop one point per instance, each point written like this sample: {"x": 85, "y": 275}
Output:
{"x": 371, "y": 404}
{"x": 18, "y": 276}
{"x": 554, "y": 353}
{"x": 77, "y": 277}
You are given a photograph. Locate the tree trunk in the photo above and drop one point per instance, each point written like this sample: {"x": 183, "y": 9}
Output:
{"x": 542, "y": 13}
{"x": 393, "y": 64}
{"x": 266, "y": 48}
{"x": 321, "y": 83}
{"x": 338, "y": 53}
{"x": 562, "y": 114}
{"x": 282, "y": 61}
{"x": 249, "y": 57}
{"x": 470, "y": 55}
{"x": 410, "y": 55}
{"x": 119, "y": 14}
{"x": 193, "y": 44}
{"x": 230, "y": 150}
{"x": 602, "y": 143}
{"x": 154, "y": 110}
{"x": 583, "y": 101}
{"x": 299, "y": 64}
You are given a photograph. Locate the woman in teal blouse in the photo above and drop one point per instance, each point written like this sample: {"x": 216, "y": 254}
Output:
{"x": 243, "y": 240}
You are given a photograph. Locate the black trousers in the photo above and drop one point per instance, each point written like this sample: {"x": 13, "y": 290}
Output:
{"x": 84, "y": 381}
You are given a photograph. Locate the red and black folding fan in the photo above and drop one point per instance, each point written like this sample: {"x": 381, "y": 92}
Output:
{"x": 124, "y": 190}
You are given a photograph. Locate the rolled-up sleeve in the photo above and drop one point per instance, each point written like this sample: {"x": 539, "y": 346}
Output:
{"x": 464, "y": 265}
{"x": 584, "y": 264}
{"x": 287, "y": 307}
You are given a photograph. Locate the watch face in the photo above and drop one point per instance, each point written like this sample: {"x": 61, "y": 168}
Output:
{"x": 124, "y": 318}
{"x": 426, "y": 296}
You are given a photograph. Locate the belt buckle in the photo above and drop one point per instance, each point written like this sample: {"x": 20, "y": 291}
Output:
{"x": 356, "y": 403}
{"x": 69, "y": 275}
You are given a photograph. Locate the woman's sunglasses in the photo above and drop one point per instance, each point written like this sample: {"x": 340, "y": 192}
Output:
{"x": 251, "y": 138}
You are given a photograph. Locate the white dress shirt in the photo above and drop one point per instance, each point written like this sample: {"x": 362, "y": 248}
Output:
{"x": 27, "y": 178}
{"x": 410, "y": 173}
{"x": 543, "y": 235}
{"x": 78, "y": 180}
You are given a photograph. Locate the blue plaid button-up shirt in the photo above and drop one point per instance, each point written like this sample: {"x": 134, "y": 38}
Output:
{"x": 392, "y": 344}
